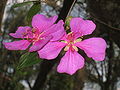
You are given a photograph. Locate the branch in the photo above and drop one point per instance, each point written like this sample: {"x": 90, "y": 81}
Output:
{"x": 29, "y": 84}
{"x": 66, "y": 9}
{"x": 45, "y": 68}
{"x": 109, "y": 26}
{"x": 2, "y": 7}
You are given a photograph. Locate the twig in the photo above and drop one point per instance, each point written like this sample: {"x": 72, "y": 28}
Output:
{"x": 102, "y": 22}
{"x": 71, "y": 8}
{"x": 29, "y": 84}
{"x": 65, "y": 11}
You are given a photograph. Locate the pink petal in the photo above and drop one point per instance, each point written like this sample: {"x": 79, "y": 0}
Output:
{"x": 21, "y": 32}
{"x": 57, "y": 31}
{"x": 64, "y": 37}
{"x": 40, "y": 44}
{"x": 51, "y": 50}
{"x": 83, "y": 27}
{"x": 17, "y": 45}
{"x": 94, "y": 48}
{"x": 71, "y": 36}
{"x": 42, "y": 22}
{"x": 70, "y": 63}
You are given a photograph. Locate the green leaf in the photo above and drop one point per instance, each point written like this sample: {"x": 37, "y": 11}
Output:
{"x": 28, "y": 59}
{"x": 33, "y": 10}
{"x": 21, "y": 4}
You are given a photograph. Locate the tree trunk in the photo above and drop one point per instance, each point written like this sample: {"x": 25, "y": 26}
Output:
{"x": 2, "y": 7}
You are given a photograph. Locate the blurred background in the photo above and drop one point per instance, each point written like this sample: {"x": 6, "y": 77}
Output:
{"x": 104, "y": 75}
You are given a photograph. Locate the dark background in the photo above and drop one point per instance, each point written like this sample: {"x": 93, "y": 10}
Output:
{"x": 104, "y": 75}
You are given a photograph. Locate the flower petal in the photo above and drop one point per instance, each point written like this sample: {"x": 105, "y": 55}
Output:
{"x": 17, "y": 45}
{"x": 94, "y": 48}
{"x": 71, "y": 36}
{"x": 51, "y": 50}
{"x": 83, "y": 27}
{"x": 40, "y": 44}
{"x": 70, "y": 63}
{"x": 57, "y": 31}
{"x": 21, "y": 32}
{"x": 42, "y": 22}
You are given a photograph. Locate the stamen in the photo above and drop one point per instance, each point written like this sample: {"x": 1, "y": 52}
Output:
{"x": 66, "y": 48}
{"x": 63, "y": 41}
{"x": 76, "y": 49}
{"x": 33, "y": 30}
{"x": 78, "y": 40}
{"x": 24, "y": 33}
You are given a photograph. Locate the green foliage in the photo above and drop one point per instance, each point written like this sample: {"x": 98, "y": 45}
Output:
{"x": 67, "y": 21}
{"x": 33, "y": 10}
{"x": 28, "y": 59}
{"x": 22, "y": 4}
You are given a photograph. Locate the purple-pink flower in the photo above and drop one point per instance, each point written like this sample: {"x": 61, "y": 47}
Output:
{"x": 43, "y": 30}
{"x": 72, "y": 60}
{"x": 48, "y": 39}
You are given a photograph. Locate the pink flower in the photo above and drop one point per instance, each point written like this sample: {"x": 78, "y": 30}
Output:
{"x": 72, "y": 60}
{"x": 43, "y": 30}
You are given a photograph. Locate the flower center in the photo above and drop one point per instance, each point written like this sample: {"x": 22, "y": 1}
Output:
{"x": 70, "y": 42}
{"x": 70, "y": 45}
{"x": 33, "y": 35}
{"x": 36, "y": 35}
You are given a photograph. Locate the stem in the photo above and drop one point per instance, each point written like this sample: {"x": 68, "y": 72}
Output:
{"x": 65, "y": 11}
